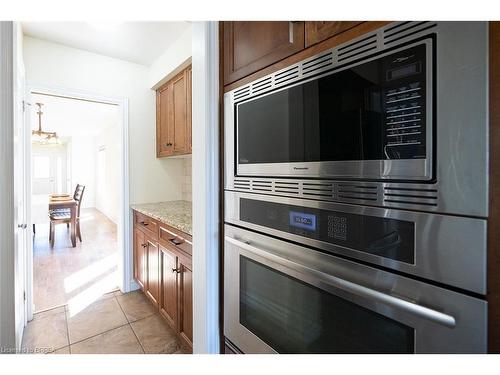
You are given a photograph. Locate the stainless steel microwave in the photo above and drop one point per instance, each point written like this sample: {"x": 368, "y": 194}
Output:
{"x": 400, "y": 112}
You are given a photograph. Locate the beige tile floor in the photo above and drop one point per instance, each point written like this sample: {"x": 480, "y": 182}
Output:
{"x": 114, "y": 324}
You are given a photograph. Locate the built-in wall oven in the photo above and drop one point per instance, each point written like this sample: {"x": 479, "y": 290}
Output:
{"x": 283, "y": 298}
{"x": 356, "y": 197}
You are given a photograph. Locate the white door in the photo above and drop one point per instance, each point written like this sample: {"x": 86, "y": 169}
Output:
{"x": 49, "y": 169}
{"x": 20, "y": 186}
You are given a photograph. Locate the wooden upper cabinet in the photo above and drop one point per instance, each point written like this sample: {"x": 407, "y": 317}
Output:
{"x": 317, "y": 31}
{"x": 173, "y": 116}
{"x": 252, "y": 45}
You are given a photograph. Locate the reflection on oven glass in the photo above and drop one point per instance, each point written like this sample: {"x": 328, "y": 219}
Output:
{"x": 294, "y": 317}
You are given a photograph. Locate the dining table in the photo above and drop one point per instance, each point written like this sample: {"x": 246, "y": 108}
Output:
{"x": 65, "y": 202}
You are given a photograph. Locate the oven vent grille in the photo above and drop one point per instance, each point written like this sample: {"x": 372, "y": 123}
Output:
{"x": 262, "y": 185}
{"x": 242, "y": 93}
{"x": 356, "y": 192}
{"x": 284, "y": 76}
{"x": 402, "y": 197}
{"x": 318, "y": 63}
{"x": 242, "y": 184}
{"x": 405, "y": 29}
{"x": 357, "y": 48}
{"x": 320, "y": 189}
{"x": 416, "y": 196}
{"x": 286, "y": 187}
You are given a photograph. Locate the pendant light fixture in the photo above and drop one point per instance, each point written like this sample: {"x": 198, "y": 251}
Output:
{"x": 40, "y": 136}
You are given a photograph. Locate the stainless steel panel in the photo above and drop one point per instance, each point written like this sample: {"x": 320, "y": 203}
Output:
{"x": 448, "y": 249}
{"x": 444, "y": 321}
{"x": 461, "y": 159}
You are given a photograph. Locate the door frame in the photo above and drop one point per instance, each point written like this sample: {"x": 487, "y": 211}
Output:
{"x": 124, "y": 235}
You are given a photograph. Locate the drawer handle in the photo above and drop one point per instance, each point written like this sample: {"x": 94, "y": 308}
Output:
{"x": 176, "y": 241}
{"x": 144, "y": 223}
{"x": 176, "y": 270}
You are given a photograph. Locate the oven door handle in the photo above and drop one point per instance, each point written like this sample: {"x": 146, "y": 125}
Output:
{"x": 356, "y": 289}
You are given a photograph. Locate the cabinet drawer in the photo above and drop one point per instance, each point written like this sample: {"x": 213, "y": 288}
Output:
{"x": 173, "y": 237}
{"x": 146, "y": 223}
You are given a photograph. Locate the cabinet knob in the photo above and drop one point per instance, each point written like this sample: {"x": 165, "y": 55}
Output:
{"x": 176, "y": 270}
{"x": 169, "y": 144}
{"x": 144, "y": 245}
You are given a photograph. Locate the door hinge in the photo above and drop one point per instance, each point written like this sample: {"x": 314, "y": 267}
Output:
{"x": 24, "y": 296}
{"x": 25, "y": 103}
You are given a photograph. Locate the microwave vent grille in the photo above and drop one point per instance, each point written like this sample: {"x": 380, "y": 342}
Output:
{"x": 242, "y": 93}
{"x": 404, "y": 197}
{"x": 402, "y": 30}
{"x": 356, "y": 192}
{"x": 357, "y": 48}
{"x": 287, "y": 75}
{"x": 317, "y": 64}
{"x": 263, "y": 84}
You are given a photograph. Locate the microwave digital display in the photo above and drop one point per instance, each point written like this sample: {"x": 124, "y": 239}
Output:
{"x": 302, "y": 220}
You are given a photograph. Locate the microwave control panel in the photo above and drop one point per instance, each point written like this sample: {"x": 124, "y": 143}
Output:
{"x": 404, "y": 102}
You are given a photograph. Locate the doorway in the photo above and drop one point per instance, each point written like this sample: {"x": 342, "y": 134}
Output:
{"x": 91, "y": 150}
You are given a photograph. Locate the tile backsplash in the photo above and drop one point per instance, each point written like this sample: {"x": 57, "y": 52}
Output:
{"x": 186, "y": 180}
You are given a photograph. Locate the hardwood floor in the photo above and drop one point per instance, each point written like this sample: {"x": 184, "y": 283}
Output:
{"x": 76, "y": 276}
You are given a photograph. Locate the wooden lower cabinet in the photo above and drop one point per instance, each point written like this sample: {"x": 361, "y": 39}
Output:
{"x": 163, "y": 269}
{"x": 168, "y": 299}
{"x": 153, "y": 271}
{"x": 186, "y": 302}
{"x": 140, "y": 258}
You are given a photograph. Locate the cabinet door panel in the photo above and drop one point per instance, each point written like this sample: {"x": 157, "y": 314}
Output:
{"x": 139, "y": 258}
{"x": 186, "y": 303}
{"x": 317, "y": 31}
{"x": 168, "y": 297}
{"x": 164, "y": 121}
{"x": 253, "y": 45}
{"x": 153, "y": 271}
{"x": 179, "y": 92}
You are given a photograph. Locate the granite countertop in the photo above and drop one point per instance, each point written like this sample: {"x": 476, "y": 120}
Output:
{"x": 174, "y": 213}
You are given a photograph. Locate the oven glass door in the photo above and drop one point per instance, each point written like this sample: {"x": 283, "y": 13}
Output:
{"x": 362, "y": 115}
{"x": 284, "y": 298}
{"x": 294, "y": 317}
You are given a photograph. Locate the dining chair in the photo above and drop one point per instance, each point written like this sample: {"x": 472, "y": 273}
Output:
{"x": 63, "y": 215}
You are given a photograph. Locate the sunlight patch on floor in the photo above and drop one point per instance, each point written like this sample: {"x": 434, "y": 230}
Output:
{"x": 92, "y": 293}
{"x": 89, "y": 273}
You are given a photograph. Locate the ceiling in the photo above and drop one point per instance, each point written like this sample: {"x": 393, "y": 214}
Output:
{"x": 138, "y": 42}
{"x": 72, "y": 117}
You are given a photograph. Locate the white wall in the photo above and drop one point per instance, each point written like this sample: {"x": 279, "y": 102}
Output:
{"x": 151, "y": 179}
{"x": 107, "y": 188}
{"x": 171, "y": 59}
